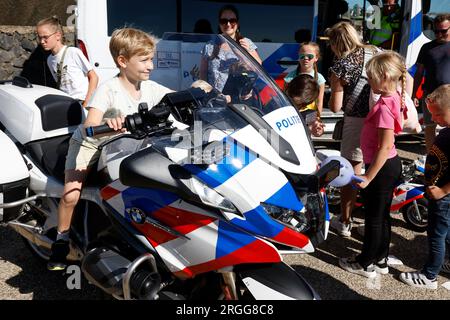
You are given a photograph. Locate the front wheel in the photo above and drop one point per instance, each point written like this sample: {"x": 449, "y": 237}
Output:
{"x": 416, "y": 216}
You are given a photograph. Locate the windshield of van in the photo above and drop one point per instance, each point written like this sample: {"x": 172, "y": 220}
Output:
{"x": 218, "y": 64}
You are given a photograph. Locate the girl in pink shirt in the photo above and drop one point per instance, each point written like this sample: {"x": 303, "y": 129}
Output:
{"x": 383, "y": 166}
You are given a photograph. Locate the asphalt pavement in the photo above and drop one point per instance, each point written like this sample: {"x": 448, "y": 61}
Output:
{"x": 24, "y": 277}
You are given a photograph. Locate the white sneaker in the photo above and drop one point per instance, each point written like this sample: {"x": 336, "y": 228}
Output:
{"x": 350, "y": 265}
{"x": 418, "y": 280}
{"x": 381, "y": 266}
{"x": 342, "y": 229}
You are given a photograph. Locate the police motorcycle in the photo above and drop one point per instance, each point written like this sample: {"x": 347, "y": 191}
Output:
{"x": 199, "y": 199}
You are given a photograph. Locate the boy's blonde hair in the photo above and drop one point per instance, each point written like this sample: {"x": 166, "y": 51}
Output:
{"x": 344, "y": 38}
{"x": 388, "y": 68}
{"x": 55, "y": 25}
{"x": 129, "y": 42}
{"x": 440, "y": 97}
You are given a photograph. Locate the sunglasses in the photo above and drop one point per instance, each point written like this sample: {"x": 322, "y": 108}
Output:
{"x": 308, "y": 56}
{"x": 224, "y": 21}
{"x": 441, "y": 30}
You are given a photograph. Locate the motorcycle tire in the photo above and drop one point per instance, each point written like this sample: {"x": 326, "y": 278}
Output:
{"x": 416, "y": 222}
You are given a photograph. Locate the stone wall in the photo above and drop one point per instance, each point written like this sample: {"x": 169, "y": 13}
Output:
{"x": 20, "y": 54}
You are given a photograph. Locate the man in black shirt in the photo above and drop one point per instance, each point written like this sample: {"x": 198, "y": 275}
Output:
{"x": 434, "y": 62}
{"x": 437, "y": 176}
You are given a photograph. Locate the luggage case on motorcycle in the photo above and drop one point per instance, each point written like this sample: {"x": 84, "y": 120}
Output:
{"x": 29, "y": 115}
{"x": 14, "y": 178}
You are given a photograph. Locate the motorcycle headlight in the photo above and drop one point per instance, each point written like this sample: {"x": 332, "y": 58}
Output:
{"x": 307, "y": 221}
{"x": 211, "y": 197}
{"x": 315, "y": 210}
{"x": 296, "y": 220}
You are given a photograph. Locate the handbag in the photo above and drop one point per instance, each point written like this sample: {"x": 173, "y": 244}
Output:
{"x": 338, "y": 129}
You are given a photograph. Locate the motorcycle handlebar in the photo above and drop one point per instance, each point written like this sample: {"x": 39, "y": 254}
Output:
{"x": 180, "y": 103}
{"x": 95, "y": 130}
{"x": 143, "y": 121}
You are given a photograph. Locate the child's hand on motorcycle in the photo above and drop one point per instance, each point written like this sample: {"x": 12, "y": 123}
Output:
{"x": 116, "y": 123}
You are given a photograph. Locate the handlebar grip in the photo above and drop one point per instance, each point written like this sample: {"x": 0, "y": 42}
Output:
{"x": 92, "y": 131}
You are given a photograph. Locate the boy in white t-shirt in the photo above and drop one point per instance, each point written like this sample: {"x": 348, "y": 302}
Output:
{"x": 71, "y": 70}
{"x": 132, "y": 51}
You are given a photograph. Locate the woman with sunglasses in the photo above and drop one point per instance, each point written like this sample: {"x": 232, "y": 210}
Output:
{"x": 309, "y": 55}
{"x": 215, "y": 57}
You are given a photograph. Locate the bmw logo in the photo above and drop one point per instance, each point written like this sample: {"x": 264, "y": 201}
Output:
{"x": 137, "y": 215}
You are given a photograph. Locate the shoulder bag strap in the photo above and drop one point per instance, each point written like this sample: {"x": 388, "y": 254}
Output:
{"x": 60, "y": 68}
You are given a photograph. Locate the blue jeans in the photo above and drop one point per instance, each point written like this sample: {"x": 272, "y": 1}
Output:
{"x": 438, "y": 234}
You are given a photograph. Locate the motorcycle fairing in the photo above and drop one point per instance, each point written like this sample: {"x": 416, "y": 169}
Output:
{"x": 294, "y": 134}
{"x": 237, "y": 160}
{"x": 208, "y": 242}
{"x": 406, "y": 194}
{"x": 247, "y": 180}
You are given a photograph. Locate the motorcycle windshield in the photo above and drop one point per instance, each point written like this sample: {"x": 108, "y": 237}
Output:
{"x": 217, "y": 64}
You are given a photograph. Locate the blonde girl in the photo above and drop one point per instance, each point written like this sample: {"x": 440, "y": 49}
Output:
{"x": 385, "y": 72}
{"x": 69, "y": 67}
{"x": 309, "y": 55}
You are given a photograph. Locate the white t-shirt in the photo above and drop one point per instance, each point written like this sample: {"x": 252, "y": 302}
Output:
{"x": 114, "y": 100}
{"x": 74, "y": 79}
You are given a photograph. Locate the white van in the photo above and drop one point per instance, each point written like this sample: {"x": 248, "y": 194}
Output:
{"x": 270, "y": 24}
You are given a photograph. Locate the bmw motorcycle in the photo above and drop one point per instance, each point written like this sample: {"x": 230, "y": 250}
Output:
{"x": 199, "y": 199}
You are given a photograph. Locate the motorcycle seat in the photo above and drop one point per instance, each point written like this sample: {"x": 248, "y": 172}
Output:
{"x": 50, "y": 156}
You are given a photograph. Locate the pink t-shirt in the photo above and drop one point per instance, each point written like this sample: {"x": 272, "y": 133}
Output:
{"x": 384, "y": 114}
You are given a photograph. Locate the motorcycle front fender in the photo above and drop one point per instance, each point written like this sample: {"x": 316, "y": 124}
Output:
{"x": 275, "y": 281}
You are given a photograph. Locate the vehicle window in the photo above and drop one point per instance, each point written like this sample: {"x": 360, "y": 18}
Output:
{"x": 155, "y": 17}
{"x": 271, "y": 21}
{"x": 436, "y": 8}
